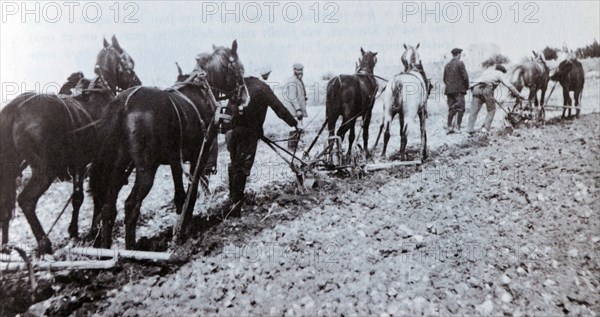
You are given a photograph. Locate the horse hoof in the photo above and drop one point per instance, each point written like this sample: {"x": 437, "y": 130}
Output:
{"x": 73, "y": 233}
{"x": 45, "y": 246}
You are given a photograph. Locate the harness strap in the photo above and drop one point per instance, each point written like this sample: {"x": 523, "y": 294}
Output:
{"x": 68, "y": 111}
{"x": 131, "y": 94}
{"x": 188, "y": 175}
{"x": 33, "y": 95}
{"x": 184, "y": 97}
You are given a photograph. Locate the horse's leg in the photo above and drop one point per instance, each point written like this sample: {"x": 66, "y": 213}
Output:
{"x": 386, "y": 138}
{"x": 77, "y": 201}
{"x": 341, "y": 132}
{"x": 365, "y": 127}
{"x": 577, "y": 96}
{"x": 351, "y": 138}
{"x": 422, "y": 117}
{"x": 144, "y": 179}
{"x": 532, "y": 98}
{"x": 542, "y": 101}
{"x": 177, "y": 172}
{"x": 565, "y": 100}
{"x": 38, "y": 184}
{"x": 331, "y": 127}
{"x": 569, "y": 103}
{"x": 403, "y": 137}
{"x": 118, "y": 179}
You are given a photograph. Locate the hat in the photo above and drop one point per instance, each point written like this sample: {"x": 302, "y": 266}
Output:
{"x": 264, "y": 71}
{"x": 298, "y": 66}
{"x": 501, "y": 68}
{"x": 456, "y": 51}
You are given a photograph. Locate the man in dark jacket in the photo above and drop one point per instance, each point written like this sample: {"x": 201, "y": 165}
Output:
{"x": 247, "y": 129}
{"x": 456, "y": 80}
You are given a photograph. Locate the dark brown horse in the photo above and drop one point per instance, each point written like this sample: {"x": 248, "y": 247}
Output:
{"x": 152, "y": 127}
{"x": 352, "y": 96}
{"x": 571, "y": 77}
{"x": 55, "y": 133}
{"x": 533, "y": 74}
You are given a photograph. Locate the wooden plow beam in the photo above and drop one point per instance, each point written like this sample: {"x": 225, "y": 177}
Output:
{"x": 120, "y": 253}
{"x": 381, "y": 166}
{"x": 11, "y": 263}
{"x": 560, "y": 107}
{"x": 58, "y": 265}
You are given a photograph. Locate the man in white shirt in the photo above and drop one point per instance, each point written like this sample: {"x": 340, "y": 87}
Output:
{"x": 483, "y": 92}
{"x": 294, "y": 95}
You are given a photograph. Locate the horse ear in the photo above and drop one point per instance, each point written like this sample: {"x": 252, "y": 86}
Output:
{"x": 115, "y": 43}
{"x": 234, "y": 47}
{"x": 106, "y": 45}
{"x": 534, "y": 53}
{"x": 375, "y": 54}
{"x": 214, "y": 47}
{"x": 405, "y": 46}
{"x": 362, "y": 51}
{"x": 418, "y": 44}
{"x": 179, "y": 69}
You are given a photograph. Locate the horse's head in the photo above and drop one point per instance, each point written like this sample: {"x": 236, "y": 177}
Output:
{"x": 366, "y": 63}
{"x": 115, "y": 67}
{"x": 411, "y": 57}
{"x": 225, "y": 74}
{"x": 563, "y": 69}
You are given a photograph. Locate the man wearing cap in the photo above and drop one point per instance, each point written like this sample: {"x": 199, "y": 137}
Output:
{"x": 294, "y": 93}
{"x": 247, "y": 129}
{"x": 483, "y": 92}
{"x": 456, "y": 80}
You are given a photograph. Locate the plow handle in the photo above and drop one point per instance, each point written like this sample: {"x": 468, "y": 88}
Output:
{"x": 314, "y": 141}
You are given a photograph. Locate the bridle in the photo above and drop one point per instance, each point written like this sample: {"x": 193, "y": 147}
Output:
{"x": 233, "y": 94}
{"x": 123, "y": 66}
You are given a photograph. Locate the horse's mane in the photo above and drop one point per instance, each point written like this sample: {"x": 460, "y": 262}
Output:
{"x": 213, "y": 62}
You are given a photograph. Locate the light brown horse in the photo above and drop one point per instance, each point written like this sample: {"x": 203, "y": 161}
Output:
{"x": 533, "y": 74}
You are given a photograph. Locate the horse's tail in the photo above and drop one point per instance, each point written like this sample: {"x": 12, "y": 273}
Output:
{"x": 333, "y": 98}
{"x": 110, "y": 133}
{"x": 517, "y": 79}
{"x": 9, "y": 162}
{"x": 390, "y": 100}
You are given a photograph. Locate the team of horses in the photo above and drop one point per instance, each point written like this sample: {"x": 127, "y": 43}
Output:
{"x": 118, "y": 125}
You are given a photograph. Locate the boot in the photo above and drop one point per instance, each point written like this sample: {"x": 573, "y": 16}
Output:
{"x": 450, "y": 122}
{"x": 459, "y": 118}
{"x": 237, "y": 184}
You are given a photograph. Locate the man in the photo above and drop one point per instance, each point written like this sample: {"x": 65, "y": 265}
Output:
{"x": 71, "y": 83}
{"x": 294, "y": 93}
{"x": 456, "y": 80}
{"x": 246, "y": 130}
{"x": 483, "y": 92}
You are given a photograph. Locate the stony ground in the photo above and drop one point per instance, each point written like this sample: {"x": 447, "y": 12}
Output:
{"x": 506, "y": 224}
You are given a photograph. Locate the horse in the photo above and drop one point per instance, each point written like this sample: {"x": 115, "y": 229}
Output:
{"x": 151, "y": 127}
{"x": 352, "y": 96}
{"x": 406, "y": 94}
{"x": 571, "y": 77}
{"x": 53, "y": 133}
{"x": 533, "y": 74}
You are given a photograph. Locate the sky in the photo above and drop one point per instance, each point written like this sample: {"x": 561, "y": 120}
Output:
{"x": 43, "y": 42}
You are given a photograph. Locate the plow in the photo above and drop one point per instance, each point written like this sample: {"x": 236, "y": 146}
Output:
{"x": 331, "y": 159}
{"x": 526, "y": 113}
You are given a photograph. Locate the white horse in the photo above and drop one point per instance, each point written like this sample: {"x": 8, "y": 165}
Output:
{"x": 406, "y": 94}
